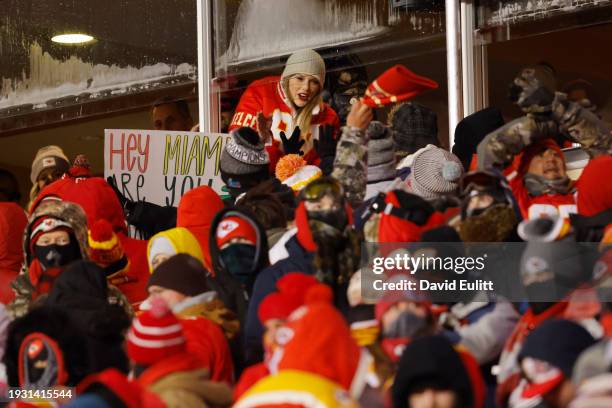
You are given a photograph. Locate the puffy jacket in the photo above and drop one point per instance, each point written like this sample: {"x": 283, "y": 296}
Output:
{"x": 267, "y": 96}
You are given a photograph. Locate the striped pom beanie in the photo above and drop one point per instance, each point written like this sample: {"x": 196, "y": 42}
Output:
{"x": 435, "y": 172}
{"x": 155, "y": 335}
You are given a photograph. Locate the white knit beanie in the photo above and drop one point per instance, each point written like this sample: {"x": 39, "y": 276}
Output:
{"x": 435, "y": 172}
{"x": 305, "y": 62}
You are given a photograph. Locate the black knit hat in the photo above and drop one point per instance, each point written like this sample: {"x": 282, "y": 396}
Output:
{"x": 182, "y": 273}
{"x": 472, "y": 129}
{"x": 414, "y": 126}
{"x": 558, "y": 342}
{"x": 244, "y": 161}
{"x": 431, "y": 362}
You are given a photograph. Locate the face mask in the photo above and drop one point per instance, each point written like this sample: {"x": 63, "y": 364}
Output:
{"x": 53, "y": 256}
{"x": 406, "y": 325}
{"x": 493, "y": 225}
{"x": 239, "y": 260}
{"x": 334, "y": 218}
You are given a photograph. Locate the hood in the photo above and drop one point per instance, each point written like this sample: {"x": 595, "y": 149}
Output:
{"x": 81, "y": 291}
{"x": 195, "y": 212}
{"x": 183, "y": 242}
{"x": 13, "y": 222}
{"x": 93, "y": 194}
{"x": 65, "y": 211}
{"x": 261, "y": 249}
{"x": 318, "y": 340}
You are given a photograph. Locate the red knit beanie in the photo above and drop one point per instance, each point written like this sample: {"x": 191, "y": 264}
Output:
{"x": 292, "y": 289}
{"x": 104, "y": 246}
{"x": 155, "y": 335}
{"x": 395, "y": 85}
{"x": 235, "y": 227}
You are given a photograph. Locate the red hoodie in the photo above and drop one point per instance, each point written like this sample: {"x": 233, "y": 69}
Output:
{"x": 266, "y": 95}
{"x": 196, "y": 211}
{"x": 99, "y": 201}
{"x": 13, "y": 222}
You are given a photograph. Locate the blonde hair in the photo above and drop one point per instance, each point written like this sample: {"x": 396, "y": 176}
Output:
{"x": 304, "y": 117}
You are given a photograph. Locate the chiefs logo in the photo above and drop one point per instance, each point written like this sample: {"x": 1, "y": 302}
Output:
{"x": 34, "y": 348}
{"x": 226, "y": 227}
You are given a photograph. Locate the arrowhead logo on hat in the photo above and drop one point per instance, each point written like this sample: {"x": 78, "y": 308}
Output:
{"x": 35, "y": 348}
{"x": 226, "y": 227}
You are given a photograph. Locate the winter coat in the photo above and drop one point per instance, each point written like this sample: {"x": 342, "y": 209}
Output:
{"x": 81, "y": 291}
{"x": 196, "y": 211}
{"x": 99, "y": 201}
{"x": 510, "y": 372}
{"x": 13, "y": 221}
{"x": 299, "y": 259}
{"x": 181, "y": 240}
{"x": 181, "y": 382}
{"x": 26, "y": 285}
{"x": 351, "y": 164}
{"x": 206, "y": 340}
{"x": 483, "y": 328}
{"x": 266, "y": 95}
{"x": 229, "y": 290}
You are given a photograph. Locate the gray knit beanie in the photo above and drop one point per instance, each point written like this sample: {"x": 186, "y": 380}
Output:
{"x": 381, "y": 158}
{"x": 435, "y": 172}
{"x": 305, "y": 62}
{"x": 245, "y": 153}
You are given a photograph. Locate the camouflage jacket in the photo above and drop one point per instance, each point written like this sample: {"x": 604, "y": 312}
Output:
{"x": 351, "y": 164}
{"x": 567, "y": 118}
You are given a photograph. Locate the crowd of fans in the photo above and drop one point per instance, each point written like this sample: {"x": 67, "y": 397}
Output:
{"x": 258, "y": 300}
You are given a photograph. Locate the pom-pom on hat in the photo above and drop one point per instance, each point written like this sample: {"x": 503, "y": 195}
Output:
{"x": 396, "y": 84}
{"x": 292, "y": 290}
{"x": 435, "y": 172}
{"x": 288, "y": 165}
{"x": 155, "y": 335}
{"x": 104, "y": 246}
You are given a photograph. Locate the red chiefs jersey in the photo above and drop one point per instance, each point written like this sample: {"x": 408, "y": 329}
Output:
{"x": 266, "y": 95}
{"x": 543, "y": 205}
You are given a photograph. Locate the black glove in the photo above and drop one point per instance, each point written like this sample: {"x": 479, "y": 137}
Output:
{"x": 293, "y": 144}
{"x": 326, "y": 145}
{"x": 326, "y": 148}
{"x": 127, "y": 204}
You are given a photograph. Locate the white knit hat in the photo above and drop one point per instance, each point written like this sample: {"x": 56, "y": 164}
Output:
{"x": 305, "y": 62}
{"x": 435, "y": 172}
